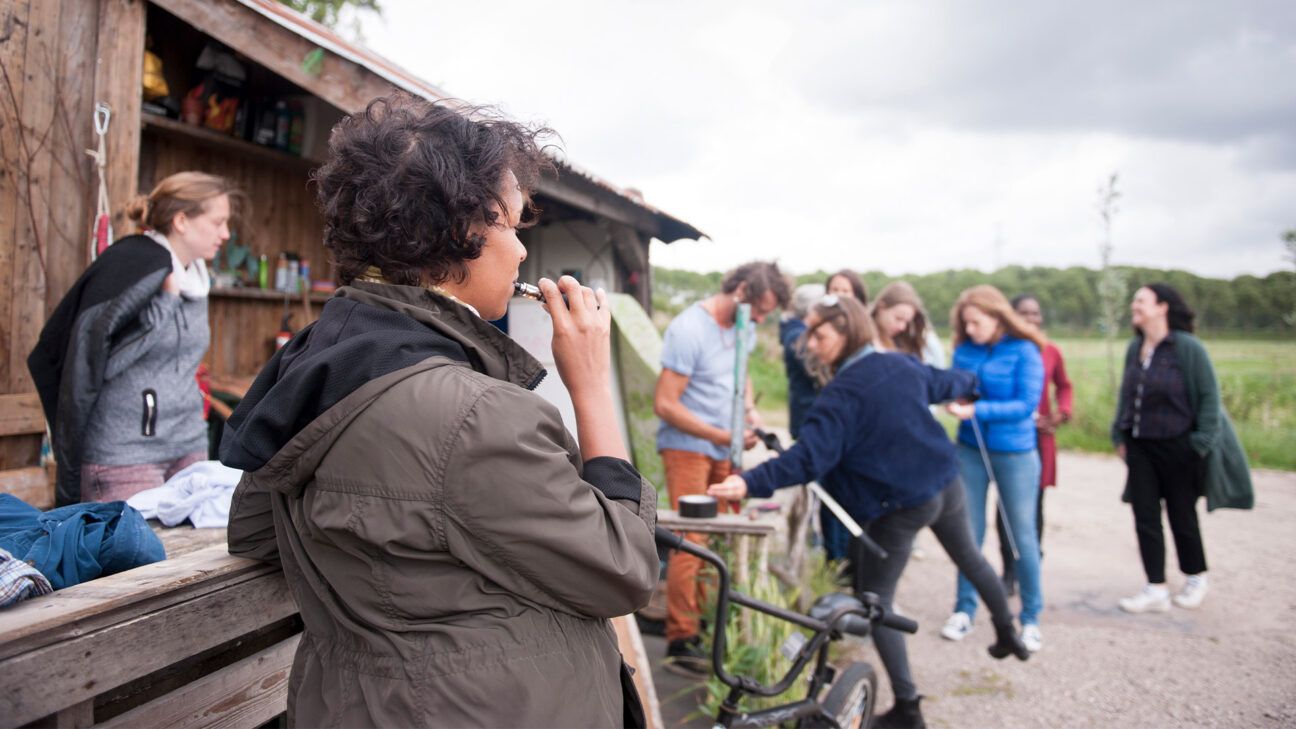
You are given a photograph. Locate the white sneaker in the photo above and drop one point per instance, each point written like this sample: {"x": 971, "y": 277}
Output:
{"x": 1031, "y": 638}
{"x": 957, "y": 627}
{"x": 1151, "y": 599}
{"x": 1194, "y": 591}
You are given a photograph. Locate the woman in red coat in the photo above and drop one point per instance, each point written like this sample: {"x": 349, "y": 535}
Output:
{"x": 1047, "y": 420}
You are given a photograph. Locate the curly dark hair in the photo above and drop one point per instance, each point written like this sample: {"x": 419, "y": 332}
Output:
{"x": 407, "y": 179}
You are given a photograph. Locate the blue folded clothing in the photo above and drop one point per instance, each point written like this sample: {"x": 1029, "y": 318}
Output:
{"x": 79, "y": 542}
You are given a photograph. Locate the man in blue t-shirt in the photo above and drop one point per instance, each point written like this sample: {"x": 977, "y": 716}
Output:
{"x": 694, "y": 400}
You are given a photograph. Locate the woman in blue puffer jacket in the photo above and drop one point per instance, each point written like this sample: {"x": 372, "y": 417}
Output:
{"x": 994, "y": 342}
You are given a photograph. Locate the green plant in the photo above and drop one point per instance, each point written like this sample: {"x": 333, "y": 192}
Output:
{"x": 754, "y": 639}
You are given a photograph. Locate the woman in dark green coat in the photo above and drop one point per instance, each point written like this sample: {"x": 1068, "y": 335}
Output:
{"x": 1177, "y": 443}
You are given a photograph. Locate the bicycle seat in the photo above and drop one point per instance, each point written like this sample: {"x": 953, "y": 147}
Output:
{"x": 826, "y": 605}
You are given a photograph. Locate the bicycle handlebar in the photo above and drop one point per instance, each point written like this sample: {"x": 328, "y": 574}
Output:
{"x": 823, "y": 629}
{"x": 899, "y": 622}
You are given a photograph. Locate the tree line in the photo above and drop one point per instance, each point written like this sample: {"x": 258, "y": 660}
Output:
{"x": 1068, "y": 296}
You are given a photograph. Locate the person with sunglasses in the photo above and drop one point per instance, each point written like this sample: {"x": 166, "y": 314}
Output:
{"x": 873, "y": 444}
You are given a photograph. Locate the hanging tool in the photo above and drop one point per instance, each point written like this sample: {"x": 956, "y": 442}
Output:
{"x": 738, "y": 422}
{"x": 102, "y": 236}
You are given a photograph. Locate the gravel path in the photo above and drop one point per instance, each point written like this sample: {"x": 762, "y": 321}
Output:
{"x": 1230, "y": 663}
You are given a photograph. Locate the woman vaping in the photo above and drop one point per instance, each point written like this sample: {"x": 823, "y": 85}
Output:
{"x": 455, "y": 552}
{"x": 872, "y": 442}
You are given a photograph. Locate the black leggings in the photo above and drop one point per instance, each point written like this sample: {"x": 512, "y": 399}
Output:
{"x": 946, "y": 514}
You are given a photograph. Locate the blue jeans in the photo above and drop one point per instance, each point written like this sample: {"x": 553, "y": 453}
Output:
{"x": 1017, "y": 477}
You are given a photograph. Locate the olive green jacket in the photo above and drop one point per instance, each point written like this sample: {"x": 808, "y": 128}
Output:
{"x": 451, "y": 561}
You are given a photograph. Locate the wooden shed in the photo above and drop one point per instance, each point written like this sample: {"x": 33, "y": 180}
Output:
{"x": 223, "y": 628}
{"x": 62, "y": 57}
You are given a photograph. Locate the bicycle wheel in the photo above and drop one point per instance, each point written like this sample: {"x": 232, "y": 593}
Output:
{"x": 851, "y": 698}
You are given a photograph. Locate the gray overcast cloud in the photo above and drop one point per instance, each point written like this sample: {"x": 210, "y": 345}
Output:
{"x": 903, "y": 136}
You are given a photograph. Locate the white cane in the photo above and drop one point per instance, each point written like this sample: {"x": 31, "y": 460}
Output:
{"x": 990, "y": 474}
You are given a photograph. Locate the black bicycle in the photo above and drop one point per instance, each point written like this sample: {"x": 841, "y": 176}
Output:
{"x": 835, "y": 698}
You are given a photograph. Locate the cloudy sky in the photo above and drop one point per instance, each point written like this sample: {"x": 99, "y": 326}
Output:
{"x": 904, "y": 135}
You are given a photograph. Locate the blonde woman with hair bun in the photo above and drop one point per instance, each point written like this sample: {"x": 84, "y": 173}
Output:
{"x": 115, "y": 364}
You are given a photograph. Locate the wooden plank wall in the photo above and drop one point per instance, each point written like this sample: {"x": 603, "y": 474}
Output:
{"x": 48, "y": 54}
{"x": 280, "y": 215}
{"x": 281, "y": 212}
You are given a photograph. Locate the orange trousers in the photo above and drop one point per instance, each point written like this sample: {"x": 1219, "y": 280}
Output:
{"x": 687, "y": 473}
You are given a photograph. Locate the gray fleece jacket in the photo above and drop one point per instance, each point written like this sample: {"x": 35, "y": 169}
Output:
{"x": 149, "y": 409}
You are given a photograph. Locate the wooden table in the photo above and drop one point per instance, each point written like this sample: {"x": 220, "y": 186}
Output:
{"x": 742, "y": 528}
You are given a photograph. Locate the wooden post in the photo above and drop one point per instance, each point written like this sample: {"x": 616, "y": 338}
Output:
{"x": 119, "y": 78}
{"x": 742, "y": 570}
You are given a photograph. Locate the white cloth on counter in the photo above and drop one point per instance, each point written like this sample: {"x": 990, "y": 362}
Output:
{"x": 200, "y": 493}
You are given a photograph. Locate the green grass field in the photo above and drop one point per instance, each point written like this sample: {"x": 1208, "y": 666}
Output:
{"x": 1257, "y": 380}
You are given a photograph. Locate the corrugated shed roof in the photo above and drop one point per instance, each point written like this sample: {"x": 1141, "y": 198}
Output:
{"x": 669, "y": 228}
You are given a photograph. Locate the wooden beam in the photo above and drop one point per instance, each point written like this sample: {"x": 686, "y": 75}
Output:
{"x": 632, "y": 650}
{"x": 21, "y": 415}
{"x": 119, "y": 77}
{"x": 346, "y": 85}
{"x": 572, "y": 190}
{"x": 72, "y": 193}
{"x": 15, "y": 30}
{"x": 43, "y": 681}
{"x": 720, "y": 524}
{"x": 100, "y": 603}
{"x": 31, "y": 239}
{"x": 32, "y": 485}
{"x": 249, "y": 692}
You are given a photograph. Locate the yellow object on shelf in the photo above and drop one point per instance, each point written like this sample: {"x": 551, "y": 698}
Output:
{"x": 155, "y": 86}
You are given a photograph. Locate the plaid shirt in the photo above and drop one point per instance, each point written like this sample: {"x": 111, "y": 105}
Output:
{"x": 1156, "y": 396}
{"x": 19, "y": 580}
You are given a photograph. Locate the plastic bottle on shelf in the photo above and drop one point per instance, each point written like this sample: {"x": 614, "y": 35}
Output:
{"x": 296, "y": 127}
{"x": 263, "y": 272}
{"x": 304, "y": 269}
{"x": 283, "y": 125}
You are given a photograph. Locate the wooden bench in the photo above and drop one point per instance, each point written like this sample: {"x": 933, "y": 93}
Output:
{"x": 202, "y": 639}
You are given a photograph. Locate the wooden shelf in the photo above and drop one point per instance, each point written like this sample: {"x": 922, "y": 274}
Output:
{"x": 317, "y": 297}
{"x": 167, "y": 127}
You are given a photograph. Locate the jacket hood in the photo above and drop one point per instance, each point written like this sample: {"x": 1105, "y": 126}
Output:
{"x": 368, "y": 338}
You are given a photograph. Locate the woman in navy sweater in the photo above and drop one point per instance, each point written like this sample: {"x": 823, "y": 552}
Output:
{"x": 993, "y": 342}
{"x": 874, "y": 445}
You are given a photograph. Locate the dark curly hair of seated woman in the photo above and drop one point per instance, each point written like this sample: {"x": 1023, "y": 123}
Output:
{"x": 407, "y": 179}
